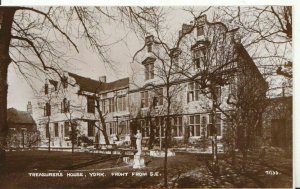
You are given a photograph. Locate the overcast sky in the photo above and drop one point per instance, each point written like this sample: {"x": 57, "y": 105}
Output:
{"x": 87, "y": 64}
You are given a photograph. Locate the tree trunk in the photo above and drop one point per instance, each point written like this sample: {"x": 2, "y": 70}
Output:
{"x": 6, "y": 18}
{"x": 49, "y": 134}
{"x": 152, "y": 134}
{"x": 102, "y": 120}
{"x": 167, "y": 139}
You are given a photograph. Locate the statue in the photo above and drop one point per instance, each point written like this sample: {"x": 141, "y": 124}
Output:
{"x": 139, "y": 142}
{"x": 138, "y": 161}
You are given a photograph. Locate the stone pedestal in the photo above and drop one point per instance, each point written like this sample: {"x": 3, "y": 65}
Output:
{"x": 161, "y": 153}
{"x": 138, "y": 162}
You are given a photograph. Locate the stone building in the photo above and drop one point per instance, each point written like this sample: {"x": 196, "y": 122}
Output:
{"x": 66, "y": 103}
{"x": 198, "y": 79}
{"x": 22, "y": 128}
{"x": 208, "y": 53}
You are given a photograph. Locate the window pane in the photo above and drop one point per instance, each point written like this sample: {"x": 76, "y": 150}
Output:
{"x": 191, "y": 119}
{"x": 210, "y": 118}
{"x": 197, "y": 130}
{"x": 197, "y": 119}
{"x": 146, "y": 98}
{"x": 218, "y": 129}
{"x": 56, "y": 129}
{"x": 180, "y": 130}
{"x": 218, "y": 118}
{"x": 200, "y": 30}
{"x": 192, "y": 131}
{"x": 191, "y": 86}
{"x": 152, "y": 70}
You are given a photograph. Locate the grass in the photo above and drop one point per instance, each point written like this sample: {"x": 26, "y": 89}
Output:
{"x": 184, "y": 170}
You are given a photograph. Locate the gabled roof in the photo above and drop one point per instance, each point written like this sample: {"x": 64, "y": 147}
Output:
{"x": 19, "y": 117}
{"x": 118, "y": 84}
{"x": 148, "y": 60}
{"x": 53, "y": 82}
{"x": 86, "y": 84}
{"x": 94, "y": 86}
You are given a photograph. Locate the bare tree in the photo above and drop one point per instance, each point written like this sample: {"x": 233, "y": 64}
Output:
{"x": 103, "y": 129}
{"x": 264, "y": 28}
{"x": 165, "y": 53}
{"x": 32, "y": 38}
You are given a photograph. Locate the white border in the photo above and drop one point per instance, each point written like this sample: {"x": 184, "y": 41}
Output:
{"x": 296, "y": 38}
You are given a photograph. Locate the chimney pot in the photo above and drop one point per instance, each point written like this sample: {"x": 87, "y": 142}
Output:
{"x": 102, "y": 79}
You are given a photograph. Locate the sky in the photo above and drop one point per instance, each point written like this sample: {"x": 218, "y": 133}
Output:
{"x": 20, "y": 92}
{"x": 87, "y": 63}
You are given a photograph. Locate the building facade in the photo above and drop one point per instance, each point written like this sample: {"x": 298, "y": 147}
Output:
{"x": 194, "y": 83}
{"x": 22, "y": 127}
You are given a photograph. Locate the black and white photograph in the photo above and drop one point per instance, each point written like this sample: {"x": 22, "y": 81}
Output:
{"x": 146, "y": 96}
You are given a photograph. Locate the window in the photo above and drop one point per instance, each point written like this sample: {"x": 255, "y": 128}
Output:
{"x": 175, "y": 62}
{"x": 56, "y": 129}
{"x": 113, "y": 129}
{"x": 104, "y": 105}
{"x": 204, "y": 125}
{"x": 195, "y": 125}
{"x": 149, "y": 71}
{"x": 218, "y": 124}
{"x": 65, "y": 106}
{"x": 47, "y": 109}
{"x": 159, "y": 125}
{"x": 64, "y": 81}
{"x": 145, "y": 128}
{"x": 200, "y": 30}
{"x": 47, "y": 130}
{"x": 90, "y": 104}
{"x": 149, "y": 47}
{"x": 122, "y": 103}
{"x": 193, "y": 92}
{"x": 158, "y": 98}
{"x": 144, "y": 99}
{"x": 123, "y": 128}
{"x": 111, "y": 105}
{"x": 91, "y": 128}
{"x": 46, "y": 88}
{"x": 108, "y": 105}
{"x": 67, "y": 129}
{"x": 217, "y": 93}
{"x": 178, "y": 127}
{"x": 199, "y": 57}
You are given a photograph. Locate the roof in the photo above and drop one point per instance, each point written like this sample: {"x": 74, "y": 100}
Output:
{"x": 86, "y": 84}
{"x": 19, "y": 117}
{"x": 94, "y": 86}
{"x": 118, "y": 84}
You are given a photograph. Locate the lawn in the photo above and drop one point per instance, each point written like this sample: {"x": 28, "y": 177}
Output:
{"x": 184, "y": 170}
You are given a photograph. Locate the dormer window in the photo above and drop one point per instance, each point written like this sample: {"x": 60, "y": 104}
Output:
{"x": 149, "y": 71}
{"x": 176, "y": 61}
{"x": 64, "y": 81}
{"x": 65, "y": 106}
{"x": 193, "y": 93}
{"x": 199, "y": 57}
{"x": 149, "y": 42}
{"x": 54, "y": 84}
{"x": 200, "y": 30}
{"x": 90, "y": 104}
{"x": 144, "y": 99}
{"x": 149, "y": 47}
{"x": 47, "y": 109}
{"x": 149, "y": 67}
{"x": 158, "y": 97}
{"x": 46, "y": 88}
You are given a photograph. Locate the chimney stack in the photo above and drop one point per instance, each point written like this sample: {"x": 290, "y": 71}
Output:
{"x": 29, "y": 107}
{"x": 102, "y": 79}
